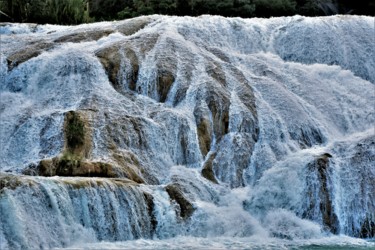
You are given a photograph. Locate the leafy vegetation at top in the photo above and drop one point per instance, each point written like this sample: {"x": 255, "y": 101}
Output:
{"x": 83, "y": 11}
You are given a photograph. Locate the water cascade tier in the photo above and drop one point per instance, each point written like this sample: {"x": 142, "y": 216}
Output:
{"x": 158, "y": 128}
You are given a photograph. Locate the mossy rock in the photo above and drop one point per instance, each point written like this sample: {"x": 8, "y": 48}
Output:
{"x": 72, "y": 165}
{"x": 74, "y": 130}
{"x": 9, "y": 182}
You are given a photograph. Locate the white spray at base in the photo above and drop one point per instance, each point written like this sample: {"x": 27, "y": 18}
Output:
{"x": 224, "y": 133}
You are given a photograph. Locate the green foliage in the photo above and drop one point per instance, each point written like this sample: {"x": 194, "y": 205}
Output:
{"x": 70, "y": 158}
{"x": 79, "y": 11}
{"x": 75, "y": 131}
{"x": 266, "y": 8}
{"x": 46, "y": 11}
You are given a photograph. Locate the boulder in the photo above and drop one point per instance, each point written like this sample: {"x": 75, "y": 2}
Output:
{"x": 186, "y": 208}
{"x": 31, "y": 50}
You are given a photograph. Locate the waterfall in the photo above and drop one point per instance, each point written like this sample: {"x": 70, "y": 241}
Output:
{"x": 159, "y": 128}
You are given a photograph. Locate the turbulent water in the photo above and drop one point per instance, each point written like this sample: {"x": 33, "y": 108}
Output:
{"x": 184, "y": 133}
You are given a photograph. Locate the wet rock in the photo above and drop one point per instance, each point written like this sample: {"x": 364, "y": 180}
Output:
{"x": 166, "y": 69}
{"x": 359, "y": 181}
{"x": 218, "y": 102}
{"x": 70, "y": 165}
{"x": 233, "y": 156}
{"x": 150, "y": 209}
{"x": 367, "y": 229}
{"x": 245, "y": 92}
{"x": 214, "y": 69}
{"x": 219, "y": 53}
{"x": 204, "y": 135}
{"x": 186, "y": 207}
{"x": 129, "y": 27}
{"x": 32, "y": 50}
{"x": 84, "y": 36}
{"x": 306, "y": 137}
{"x": 8, "y": 181}
{"x": 320, "y": 194}
{"x": 164, "y": 83}
{"x": 207, "y": 170}
{"x": 126, "y": 131}
{"x": 204, "y": 128}
{"x": 111, "y": 60}
{"x": 129, "y": 166}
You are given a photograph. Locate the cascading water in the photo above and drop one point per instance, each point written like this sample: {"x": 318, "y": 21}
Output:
{"x": 175, "y": 132}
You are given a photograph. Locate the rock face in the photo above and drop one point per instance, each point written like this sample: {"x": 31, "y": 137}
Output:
{"x": 178, "y": 121}
{"x": 33, "y": 49}
{"x": 186, "y": 209}
{"x": 323, "y": 202}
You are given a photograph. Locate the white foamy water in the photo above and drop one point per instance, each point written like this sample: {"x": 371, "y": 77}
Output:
{"x": 224, "y": 133}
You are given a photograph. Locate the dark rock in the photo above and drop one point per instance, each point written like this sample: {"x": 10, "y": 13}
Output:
{"x": 186, "y": 207}
{"x": 207, "y": 170}
{"x": 111, "y": 59}
{"x": 204, "y": 135}
{"x": 320, "y": 168}
{"x": 164, "y": 83}
{"x": 204, "y": 129}
{"x": 367, "y": 229}
{"x": 150, "y": 209}
{"x": 307, "y": 136}
{"x": 218, "y": 102}
{"x": 214, "y": 69}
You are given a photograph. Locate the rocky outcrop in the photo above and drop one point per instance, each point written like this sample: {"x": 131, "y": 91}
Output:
{"x": 306, "y": 137}
{"x": 32, "y": 50}
{"x": 8, "y": 181}
{"x": 111, "y": 58}
{"x": 131, "y": 26}
{"x": 75, "y": 158}
{"x": 129, "y": 166}
{"x": 207, "y": 169}
{"x": 233, "y": 156}
{"x": 204, "y": 128}
{"x": 84, "y": 36}
{"x": 186, "y": 208}
{"x": 321, "y": 200}
{"x": 359, "y": 182}
{"x": 69, "y": 165}
{"x": 150, "y": 209}
{"x": 218, "y": 102}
